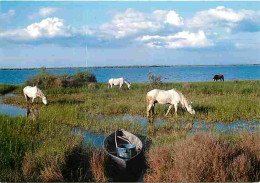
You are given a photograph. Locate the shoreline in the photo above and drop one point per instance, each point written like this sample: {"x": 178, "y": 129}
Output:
{"x": 134, "y": 66}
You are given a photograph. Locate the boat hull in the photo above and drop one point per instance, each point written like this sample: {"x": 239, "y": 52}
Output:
{"x": 124, "y": 169}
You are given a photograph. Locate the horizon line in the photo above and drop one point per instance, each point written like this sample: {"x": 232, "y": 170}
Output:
{"x": 133, "y": 66}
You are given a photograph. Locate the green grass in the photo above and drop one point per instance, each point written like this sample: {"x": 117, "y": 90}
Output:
{"x": 7, "y": 88}
{"x": 37, "y": 148}
{"x": 213, "y": 101}
{"x": 29, "y": 146}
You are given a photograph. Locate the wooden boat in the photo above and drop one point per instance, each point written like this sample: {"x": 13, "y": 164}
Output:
{"x": 120, "y": 165}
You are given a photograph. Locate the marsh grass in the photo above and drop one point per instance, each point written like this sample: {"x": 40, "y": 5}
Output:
{"x": 43, "y": 148}
{"x": 7, "y": 88}
{"x": 206, "y": 158}
{"x": 35, "y": 150}
{"x": 213, "y": 101}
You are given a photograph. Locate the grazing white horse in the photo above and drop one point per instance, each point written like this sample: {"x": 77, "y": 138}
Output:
{"x": 34, "y": 92}
{"x": 172, "y": 97}
{"x": 118, "y": 81}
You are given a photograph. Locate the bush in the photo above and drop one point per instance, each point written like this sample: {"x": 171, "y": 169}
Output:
{"x": 155, "y": 80}
{"x": 46, "y": 80}
{"x": 206, "y": 158}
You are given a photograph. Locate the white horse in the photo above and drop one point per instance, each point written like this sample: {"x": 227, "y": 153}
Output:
{"x": 172, "y": 97}
{"x": 34, "y": 92}
{"x": 118, "y": 81}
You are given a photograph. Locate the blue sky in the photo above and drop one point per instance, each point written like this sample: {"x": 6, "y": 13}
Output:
{"x": 62, "y": 34}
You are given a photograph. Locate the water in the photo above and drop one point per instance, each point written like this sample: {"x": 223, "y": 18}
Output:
{"x": 197, "y": 126}
{"x": 94, "y": 139}
{"x": 169, "y": 74}
{"x": 97, "y": 139}
{"x": 10, "y": 110}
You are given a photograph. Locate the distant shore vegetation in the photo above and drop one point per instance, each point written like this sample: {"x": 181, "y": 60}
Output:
{"x": 131, "y": 66}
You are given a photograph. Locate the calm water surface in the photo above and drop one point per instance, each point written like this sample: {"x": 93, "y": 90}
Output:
{"x": 184, "y": 74}
{"x": 10, "y": 110}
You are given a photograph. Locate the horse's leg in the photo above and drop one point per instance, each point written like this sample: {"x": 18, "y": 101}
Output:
{"x": 32, "y": 100}
{"x": 150, "y": 105}
{"x": 176, "y": 109}
{"x": 169, "y": 109}
{"x": 26, "y": 98}
{"x": 153, "y": 106}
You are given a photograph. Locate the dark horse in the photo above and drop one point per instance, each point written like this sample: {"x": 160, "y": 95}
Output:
{"x": 218, "y": 77}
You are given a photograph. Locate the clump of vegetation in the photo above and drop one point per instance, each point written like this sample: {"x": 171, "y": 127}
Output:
{"x": 206, "y": 158}
{"x": 6, "y": 88}
{"x": 47, "y": 80}
{"x": 155, "y": 80}
{"x": 97, "y": 163}
{"x": 187, "y": 86}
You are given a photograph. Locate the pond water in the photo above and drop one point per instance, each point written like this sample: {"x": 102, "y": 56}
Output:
{"x": 196, "y": 127}
{"x": 93, "y": 139}
{"x": 10, "y": 110}
{"x": 96, "y": 139}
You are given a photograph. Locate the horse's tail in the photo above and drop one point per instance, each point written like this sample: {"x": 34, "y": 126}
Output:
{"x": 148, "y": 98}
{"x": 223, "y": 77}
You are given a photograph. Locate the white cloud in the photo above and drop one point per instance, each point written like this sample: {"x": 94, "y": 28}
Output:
{"x": 131, "y": 22}
{"x": 158, "y": 29}
{"x": 6, "y": 16}
{"x": 47, "y": 11}
{"x": 231, "y": 20}
{"x": 182, "y": 39}
{"x": 47, "y": 28}
{"x": 173, "y": 18}
{"x": 43, "y": 12}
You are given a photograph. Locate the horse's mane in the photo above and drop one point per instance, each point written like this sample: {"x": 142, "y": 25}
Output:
{"x": 40, "y": 93}
{"x": 184, "y": 101}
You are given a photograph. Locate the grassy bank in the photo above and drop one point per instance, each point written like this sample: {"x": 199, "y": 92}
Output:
{"x": 212, "y": 101}
{"x": 7, "y": 88}
{"x": 40, "y": 150}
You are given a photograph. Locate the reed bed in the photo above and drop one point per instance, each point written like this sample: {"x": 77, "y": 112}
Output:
{"x": 206, "y": 158}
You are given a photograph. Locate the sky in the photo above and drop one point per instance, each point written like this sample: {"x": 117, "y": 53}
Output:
{"x": 87, "y": 34}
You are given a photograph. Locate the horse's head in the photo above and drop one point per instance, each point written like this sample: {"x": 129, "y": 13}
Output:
{"x": 44, "y": 100}
{"x": 190, "y": 109}
{"x": 129, "y": 85}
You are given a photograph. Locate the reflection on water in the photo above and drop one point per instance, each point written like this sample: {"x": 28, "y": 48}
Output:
{"x": 33, "y": 111}
{"x": 196, "y": 126}
{"x": 149, "y": 126}
{"x": 94, "y": 139}
{"x": 10, "y": 110}
{"x": 225, "y": 127}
